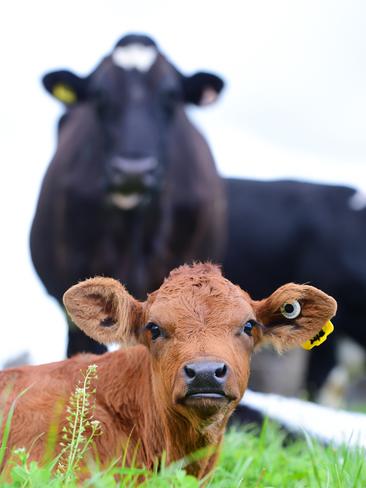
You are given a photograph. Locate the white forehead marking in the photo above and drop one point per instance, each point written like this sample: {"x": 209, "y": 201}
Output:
{"x": 135, "y": 56}
{"x": 357, "y": 200}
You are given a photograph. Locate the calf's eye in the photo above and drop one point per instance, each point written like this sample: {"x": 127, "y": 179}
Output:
{"x": 154, "y": 329}
{"x": 248, "y": 327}
{"x": 291, "y": 310}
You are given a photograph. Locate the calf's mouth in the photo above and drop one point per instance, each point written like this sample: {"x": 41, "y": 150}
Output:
{"x": 206, "y": 403}
{"x": 213, "y": 399}
{"x": 192, "y": 397}
{"x": 205, "y": 395}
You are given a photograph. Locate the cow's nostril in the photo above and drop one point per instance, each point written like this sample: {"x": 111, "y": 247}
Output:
{"x": 221, "y": 371}
{"x": 190, "y": 372}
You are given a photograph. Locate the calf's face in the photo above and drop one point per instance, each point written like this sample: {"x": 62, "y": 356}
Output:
{"x": 200, "y": 330}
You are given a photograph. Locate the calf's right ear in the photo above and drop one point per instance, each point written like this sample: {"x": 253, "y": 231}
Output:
{"x": 104, "y": 310}
{"x": 295, "y": 315}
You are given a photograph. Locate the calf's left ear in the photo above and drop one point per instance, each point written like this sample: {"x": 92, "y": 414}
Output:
{"x": 295, "y": 315}
{"x": 104, "y": 310}
{"x": 202, "y": 88}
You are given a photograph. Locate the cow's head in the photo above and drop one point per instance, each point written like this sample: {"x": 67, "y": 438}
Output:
{"x": 135, "y": 97}
{"x": 200, "y": 330}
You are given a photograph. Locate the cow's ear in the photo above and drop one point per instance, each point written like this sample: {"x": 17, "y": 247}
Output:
{"x": 104, "y": 310}
{"x": 295, "y": 315}
{"x": 202, "y": 88}
{"x": 67, "y": 87}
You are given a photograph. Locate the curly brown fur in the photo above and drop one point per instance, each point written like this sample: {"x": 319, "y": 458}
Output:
{"x": 143, "y": 398}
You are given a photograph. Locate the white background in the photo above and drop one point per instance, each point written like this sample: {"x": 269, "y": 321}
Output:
{"x": 294, "y": 106}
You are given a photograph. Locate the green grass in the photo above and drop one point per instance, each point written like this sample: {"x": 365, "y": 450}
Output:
{"x": 249, "y": 459}
{"x": 268, "y": 460}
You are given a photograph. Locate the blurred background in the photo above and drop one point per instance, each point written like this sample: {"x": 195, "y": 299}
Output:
{"x": 294, "y": 107}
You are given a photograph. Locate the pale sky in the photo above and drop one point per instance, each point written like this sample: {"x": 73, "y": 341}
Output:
{"x": 294, "y": 106}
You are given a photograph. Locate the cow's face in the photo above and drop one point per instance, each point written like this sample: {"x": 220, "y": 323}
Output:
{"x": 135, "y": 96}
{"x": 200, "y": 330}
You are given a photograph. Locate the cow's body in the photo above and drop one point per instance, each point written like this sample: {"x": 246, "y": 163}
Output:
{"x": 132, "y": 190}
{"x": 302, "y": 232}
{"x": 77, "y": 234}
{"x": 175, "y": 391}
{"x": 295, "y": 230}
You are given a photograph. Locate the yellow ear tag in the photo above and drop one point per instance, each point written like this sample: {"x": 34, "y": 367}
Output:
{"x": 320, "y": 337}
{"x": 64, "y": 93}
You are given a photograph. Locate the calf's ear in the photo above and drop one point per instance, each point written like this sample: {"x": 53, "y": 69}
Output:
{"x": 104, "y": 310}
{"x": 295, "y": 315}
{"x": 202, "y": 88}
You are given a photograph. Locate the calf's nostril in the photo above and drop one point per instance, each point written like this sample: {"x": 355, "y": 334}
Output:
{"x": 190, "y": 372}
{"x": 221, "y": 371}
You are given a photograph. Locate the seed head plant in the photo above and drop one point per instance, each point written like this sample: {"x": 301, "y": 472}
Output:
{"x": 81, "y": 427}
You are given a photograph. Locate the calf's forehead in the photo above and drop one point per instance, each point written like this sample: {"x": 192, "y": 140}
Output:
{"x": 214, "y": 304}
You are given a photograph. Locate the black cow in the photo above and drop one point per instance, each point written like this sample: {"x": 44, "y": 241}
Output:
{"x": 283, "y": 231}
{"x": 132, "y": 190}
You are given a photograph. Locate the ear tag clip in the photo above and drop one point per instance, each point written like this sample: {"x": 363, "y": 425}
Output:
{"x": 320, "y": 337}
{"x": 64, "y": 93}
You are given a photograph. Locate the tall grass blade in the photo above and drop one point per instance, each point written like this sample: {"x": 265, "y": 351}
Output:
{"x": 6, "y": 433}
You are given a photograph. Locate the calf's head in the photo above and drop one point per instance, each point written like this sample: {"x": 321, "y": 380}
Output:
{"x": 200, "y": 330}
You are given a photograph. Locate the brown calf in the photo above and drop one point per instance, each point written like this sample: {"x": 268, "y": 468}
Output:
{"x": 175, "y": 388}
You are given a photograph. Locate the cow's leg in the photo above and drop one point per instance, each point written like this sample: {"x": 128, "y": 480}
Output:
{"x": 79, "y": 342}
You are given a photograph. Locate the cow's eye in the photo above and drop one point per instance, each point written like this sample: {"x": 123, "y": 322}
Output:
{"x": 154, "y": 330}
{"x": 170, "y": 97}
{"x": 291, "y": 310}
{"x": 248, "y": 327}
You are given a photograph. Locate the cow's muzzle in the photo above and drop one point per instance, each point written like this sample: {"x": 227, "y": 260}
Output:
{"x": 206, "y": 380}
{"x": 131, "y": 180}
{"x": 205, "y": 387}
{"x": 132, "y": 171}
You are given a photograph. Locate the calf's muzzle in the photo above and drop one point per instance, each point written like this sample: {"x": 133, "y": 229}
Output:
{"x": 205, "y": 379}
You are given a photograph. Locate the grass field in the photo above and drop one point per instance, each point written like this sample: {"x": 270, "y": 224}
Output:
{"x": 249, "y": 458}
